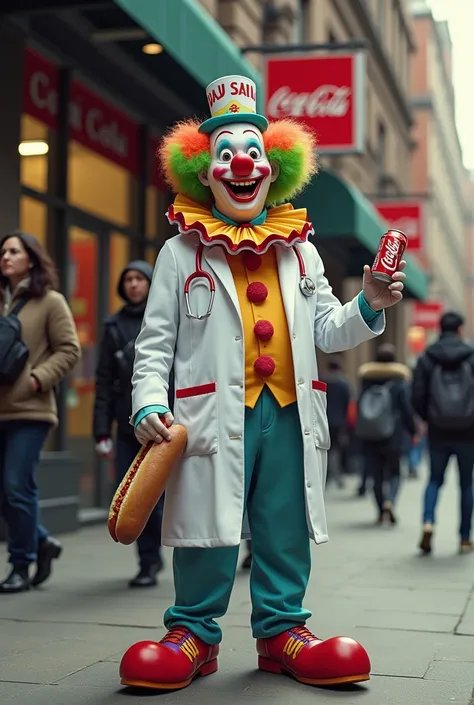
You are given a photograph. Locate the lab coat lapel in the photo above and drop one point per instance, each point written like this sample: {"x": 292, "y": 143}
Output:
{"x": 217, "y": 261}
{"x": 288, "y": 273}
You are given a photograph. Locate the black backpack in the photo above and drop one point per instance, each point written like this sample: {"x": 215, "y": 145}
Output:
{"x": 451, "y": 397}
{"x": 13, "y": 351}
{"x": 376, "y": 417}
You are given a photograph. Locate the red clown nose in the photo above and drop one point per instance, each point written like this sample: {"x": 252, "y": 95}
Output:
{"x": 242, "y": 165}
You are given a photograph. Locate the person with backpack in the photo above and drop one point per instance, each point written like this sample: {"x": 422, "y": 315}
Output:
{"x": 38, "y": 347}
{"x": 383, "y": 414}
{"x": 443, "y": 396}
{"x": 113, "y": 403}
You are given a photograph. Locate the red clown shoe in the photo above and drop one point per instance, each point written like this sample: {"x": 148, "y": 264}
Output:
{"x": 170, "y": 664}
{"x": 312, "y": 661}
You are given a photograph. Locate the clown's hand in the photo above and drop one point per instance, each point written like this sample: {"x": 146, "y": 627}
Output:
{"x": 379, "y": 294}
{"x": 154, "y": 428}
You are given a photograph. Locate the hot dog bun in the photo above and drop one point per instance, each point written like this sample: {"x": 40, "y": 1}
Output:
{"x": 140, "y": 490}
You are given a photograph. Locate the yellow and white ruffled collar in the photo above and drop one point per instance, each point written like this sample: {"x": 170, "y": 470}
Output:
{"x": 283, "y": 225}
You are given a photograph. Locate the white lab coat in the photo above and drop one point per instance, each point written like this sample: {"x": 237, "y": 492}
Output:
{"x": 204, "y": 504}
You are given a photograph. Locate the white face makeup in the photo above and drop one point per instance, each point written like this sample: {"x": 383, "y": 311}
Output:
{"x": 240, "y": 174}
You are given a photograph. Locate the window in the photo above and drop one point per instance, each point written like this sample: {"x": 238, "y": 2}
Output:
{"x": 34, "y": 148}
{"x": 34, "y": 218}
{"x": 98, "y": 186}
{"x": 381, "y": 148}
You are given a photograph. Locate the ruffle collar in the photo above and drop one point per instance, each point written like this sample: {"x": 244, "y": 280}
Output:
{"x": 283, "y": 225}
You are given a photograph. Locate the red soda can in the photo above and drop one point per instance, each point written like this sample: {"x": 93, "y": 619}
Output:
{"x": 387, "y": 260}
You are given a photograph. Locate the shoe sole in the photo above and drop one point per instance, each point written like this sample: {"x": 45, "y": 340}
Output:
{"x": 53, "y": 554}
{"x": 425, "y": 543}
{"x": 270, "y": 666}
{"x": 206, "y": 670}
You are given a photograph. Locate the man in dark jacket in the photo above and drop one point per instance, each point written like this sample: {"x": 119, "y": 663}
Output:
{"x": 338, "y": 398}
{"x": 113, "y": 403}
{"x": 443, "y": 396}
{"x": 382, "y": 457}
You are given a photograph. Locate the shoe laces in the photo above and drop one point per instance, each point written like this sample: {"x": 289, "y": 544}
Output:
{"x": 176, "y": 635}
{"x": 303, "y": 633}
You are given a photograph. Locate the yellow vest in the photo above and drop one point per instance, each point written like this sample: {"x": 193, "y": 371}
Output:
{"x": 255, "y": 317}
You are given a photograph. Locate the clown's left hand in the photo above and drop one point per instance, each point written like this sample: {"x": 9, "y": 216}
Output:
{"x": 380, "y": 295}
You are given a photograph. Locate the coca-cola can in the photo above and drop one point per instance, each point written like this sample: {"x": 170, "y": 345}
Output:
{"x": 387, "y": 260}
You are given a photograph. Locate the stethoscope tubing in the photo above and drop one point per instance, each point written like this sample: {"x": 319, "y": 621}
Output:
{"x": 307, "y": 285}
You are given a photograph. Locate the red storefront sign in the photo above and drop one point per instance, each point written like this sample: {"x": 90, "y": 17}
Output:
{"x": 326, "y": 93}
{"x": 92, "y": 121}
{"x": 427, "y": 315}
{"x": 407, "y": 216}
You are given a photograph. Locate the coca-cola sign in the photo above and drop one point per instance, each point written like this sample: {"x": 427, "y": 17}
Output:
{"x": 324, "y": 92}
{"x": 406, "y": 216}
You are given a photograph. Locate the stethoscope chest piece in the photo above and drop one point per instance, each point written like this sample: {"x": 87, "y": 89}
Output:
{"x": 307, "y": 286}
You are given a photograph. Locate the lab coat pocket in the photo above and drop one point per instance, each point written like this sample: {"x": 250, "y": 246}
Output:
{"x": 196, "y": 409}
{"x": 321, "y": 435}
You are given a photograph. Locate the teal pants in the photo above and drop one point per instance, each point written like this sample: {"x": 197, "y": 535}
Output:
{"x": 281, "y": 565}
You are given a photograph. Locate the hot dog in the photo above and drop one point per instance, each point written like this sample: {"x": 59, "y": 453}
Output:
{"x": 141, "y": 488}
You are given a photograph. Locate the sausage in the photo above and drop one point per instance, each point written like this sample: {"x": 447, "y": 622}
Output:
{"x": 145, "y": 481}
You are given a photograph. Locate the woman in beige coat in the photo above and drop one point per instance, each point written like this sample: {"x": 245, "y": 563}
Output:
{"x": 28, "y": 409}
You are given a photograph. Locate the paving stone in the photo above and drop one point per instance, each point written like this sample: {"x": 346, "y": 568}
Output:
{"x": 458, "y": 672}
{"x": 410, "y": 621}
{"x": 406, "y": 600}
{"x": 455, "y": 648}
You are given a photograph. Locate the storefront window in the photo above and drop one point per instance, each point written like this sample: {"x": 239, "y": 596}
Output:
{"x": 33, "y": 218}
{"x": 98, "y": 186}
{"x": 34, "y": 148}
{"x": 119, "y": 258}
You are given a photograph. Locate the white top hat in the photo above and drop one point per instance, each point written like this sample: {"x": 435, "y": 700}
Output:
{"x": 232, "y": 99}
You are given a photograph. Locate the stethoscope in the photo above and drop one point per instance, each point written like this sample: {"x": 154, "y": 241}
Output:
{"x": 307, "y": 285}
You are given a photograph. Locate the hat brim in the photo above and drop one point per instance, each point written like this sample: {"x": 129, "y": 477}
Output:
{"x": 213, "y": 123}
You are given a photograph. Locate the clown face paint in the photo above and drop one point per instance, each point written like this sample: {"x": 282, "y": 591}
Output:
{"x": 240, "y": 174}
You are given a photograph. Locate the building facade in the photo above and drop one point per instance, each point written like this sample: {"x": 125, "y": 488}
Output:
{"x": 437, "y": 165}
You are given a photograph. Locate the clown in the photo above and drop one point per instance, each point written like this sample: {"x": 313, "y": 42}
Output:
{"x": 238, "y": 301}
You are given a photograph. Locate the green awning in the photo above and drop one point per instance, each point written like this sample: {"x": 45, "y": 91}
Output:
{"x": 193, "y": 38}
{"x": 341, "y": 213}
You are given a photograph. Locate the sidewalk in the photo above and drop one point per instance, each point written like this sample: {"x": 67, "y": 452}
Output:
{"x": 61, "y": 645}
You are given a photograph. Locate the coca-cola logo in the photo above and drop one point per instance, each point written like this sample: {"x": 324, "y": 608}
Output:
{"x": 390, "y": 255}
{"x": 324, "y": 101}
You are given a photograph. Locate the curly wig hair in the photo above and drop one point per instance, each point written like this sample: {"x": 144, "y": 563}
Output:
{"x": 185, "y": 152}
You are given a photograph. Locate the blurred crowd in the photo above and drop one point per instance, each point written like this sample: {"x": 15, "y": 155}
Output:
{"x": 380, "y": 433}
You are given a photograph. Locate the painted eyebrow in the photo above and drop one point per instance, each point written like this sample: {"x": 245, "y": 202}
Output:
{"x": 224, "y": 132}
{"x": 253, "y": 143}
{"x": 225, "y": 144}
{"x": 255, "y": 133}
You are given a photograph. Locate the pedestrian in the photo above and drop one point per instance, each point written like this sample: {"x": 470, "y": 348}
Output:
{"x": 443, "y": 396}
{"x": 338, "y": 399}
{"x": 113, "y": 403}
{"x": 37, "y": 357}
{"x": 384, "y": 413}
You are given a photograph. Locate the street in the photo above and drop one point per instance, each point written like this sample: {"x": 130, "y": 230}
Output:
{"x": 61, "y": 645}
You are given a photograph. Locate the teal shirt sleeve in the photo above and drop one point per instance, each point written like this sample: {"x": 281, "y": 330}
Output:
{"x": 367, "y": 312}
{"x": 152, "y": 409}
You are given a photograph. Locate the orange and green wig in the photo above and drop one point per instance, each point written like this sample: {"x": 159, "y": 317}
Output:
{"x": 185, "y": 153}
